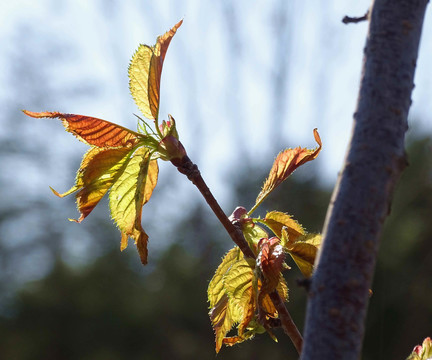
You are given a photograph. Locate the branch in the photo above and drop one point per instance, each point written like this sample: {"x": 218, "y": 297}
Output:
{"x": 355, "y": 20}
{"x": 188, "y": 168}
{"x": 287, "y": 322}
{"x": 339, "y": 292}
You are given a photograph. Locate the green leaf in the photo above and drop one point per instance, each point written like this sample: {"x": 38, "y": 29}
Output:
{"x": 422, "y": 352}
{"x": 304, "y": 252}
{"x": 129, "y": 193}
{"x": 234, "y": 294}
{"x": 216, "y": 288}
{"x": 253, "y": 233}
{"x": 222, "y": 311}
{"x": 276, "y": 220}
{"x": 145, "y": 72}
{"x": 99, "y": 169}
{"x": 239, "y": 285}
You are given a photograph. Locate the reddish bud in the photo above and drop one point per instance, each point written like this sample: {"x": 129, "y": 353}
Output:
{"x": 171, "y": 148}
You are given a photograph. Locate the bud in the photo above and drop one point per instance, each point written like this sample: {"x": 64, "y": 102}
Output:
{"x": 171, "y": 148}
{"x": 168, "y": 128}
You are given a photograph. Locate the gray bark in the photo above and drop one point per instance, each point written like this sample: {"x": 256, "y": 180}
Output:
{"x": 339, "y": 292}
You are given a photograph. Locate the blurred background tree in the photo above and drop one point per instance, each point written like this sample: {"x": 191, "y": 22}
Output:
{"x": 109, "y": 309}
{"x": 66, "y": 292}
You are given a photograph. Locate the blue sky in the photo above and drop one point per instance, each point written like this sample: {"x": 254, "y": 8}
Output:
{"x": 242, "y": 79}
{"x": 220, "y": 70}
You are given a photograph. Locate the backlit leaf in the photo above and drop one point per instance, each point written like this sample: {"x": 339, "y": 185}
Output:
{"x": 276, "y": 220}
{"x": 99, "y": 169}
{"x": 284, "y": 165}
{"x": 238, "y": 282}
{"x": 221, "y": 316}
{"x": 265, "y": 301}
{"x": 253, "y": 233}
{"x": 145, "y": 73}
{"x": 222, "y": 312}
{"x": 129, "y": 193}
{"x": 93, "y": 131}
{"x": 231, "y": 298}
{"x": 216, "y": 288}
{"x": 234, "y": 293}
{"x": 270, "y": 260}
{"x": 304, "y": 252}
{"x": 422, "y": 352}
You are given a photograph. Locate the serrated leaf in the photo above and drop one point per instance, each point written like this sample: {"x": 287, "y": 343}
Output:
{"x": 99, "y": 169}
{"x": 222, "y": 319}
{"x": 129, "y": 193}
{"x": 221, "y": 311}
{"x": 422, "y": 352}
{"x": 254, "y": 327}
{"x": 93, "y": 131}
{"x": 304, "y": 252}
{"x": 238, "y": 282}
{"x": 116, "y": 160}
{"x": 231, "y": 296}
{"x": 284, "y": 165}
{"x": 276, "y": 220}
{"x": 145, "y": 73}
{"x": 234, "y": 293}
{"x": 270, "y": 260}
{"x": 265, "y": 301}
{"x": 216, "y": 288}
{"x": 253, "y": 233}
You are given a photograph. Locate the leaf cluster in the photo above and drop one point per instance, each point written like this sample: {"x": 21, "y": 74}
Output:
{"x": 124, "y": 163}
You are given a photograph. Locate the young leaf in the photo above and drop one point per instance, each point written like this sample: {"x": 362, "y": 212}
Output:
{"x": 264, "y": 299}
{"x": 284, "y": 165}
{"x": 99, "y": 169}
{"x": 121, "y": 159}
{"x": 145, "y": 73}
{"x": 304, "y": 252}
{"x": 216, "y": 288}
{"x": 93, "y": 131}
{"x": 253, "y": 328}
{"x": 221, "y": 316}
{"x": 422, "y": 352}
{"x": 222, "y": 312}
{"x": 253, "y": 233}
{"x": 236, "y": 295}
{"x": 276, "y": 220}
{"x": 129, "y": 193}
{"x": 270, "y": 260}
{"x": 231, "y": 296}
{"x": 239, "y": 286}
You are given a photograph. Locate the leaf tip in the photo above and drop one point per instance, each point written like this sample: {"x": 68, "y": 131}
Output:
{"x": 123, "y": 242}
{"x": 30, "y": 113}
{"x": 44, "y": 114}
{"x": 317, "y": 137}
{"x": 56, "y": 193}
{"x": 141, "y": 244}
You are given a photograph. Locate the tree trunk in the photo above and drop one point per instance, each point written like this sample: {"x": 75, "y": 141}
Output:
{"x": 339, "y": 291}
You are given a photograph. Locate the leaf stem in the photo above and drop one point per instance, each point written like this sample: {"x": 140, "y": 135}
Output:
{"x": 188, "y": 168}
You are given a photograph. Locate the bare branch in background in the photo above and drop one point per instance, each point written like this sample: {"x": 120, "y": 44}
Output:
{"x": 354, "y": 20}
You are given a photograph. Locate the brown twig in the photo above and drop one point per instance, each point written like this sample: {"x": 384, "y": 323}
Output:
{"x": 355, "y": 20}
{"x": 287, "y": 322}
{"x": 188, "y": 168}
